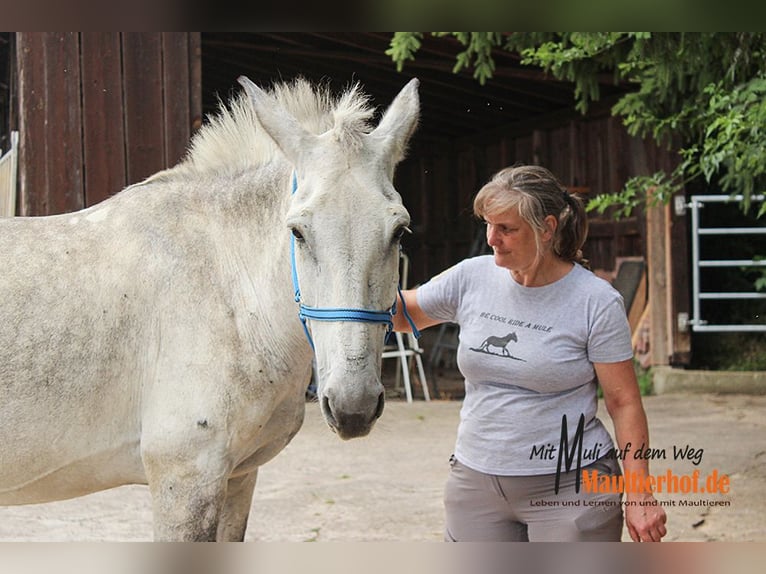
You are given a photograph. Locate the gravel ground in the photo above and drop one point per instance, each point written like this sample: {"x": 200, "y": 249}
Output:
{"x": 388, "y": 486}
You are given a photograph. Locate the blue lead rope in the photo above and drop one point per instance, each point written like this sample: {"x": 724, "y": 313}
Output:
{"x": 341, "y": 314}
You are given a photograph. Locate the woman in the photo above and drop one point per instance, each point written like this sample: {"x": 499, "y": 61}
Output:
{"x": 538, "y": 334}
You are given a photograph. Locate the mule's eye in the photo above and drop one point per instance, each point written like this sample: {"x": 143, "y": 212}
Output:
{"x": 297, "y": 234}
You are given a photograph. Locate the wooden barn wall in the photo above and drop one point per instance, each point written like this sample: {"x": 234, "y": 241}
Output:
{"x": 593, "y": 155}
{"x": 101, "y": 110}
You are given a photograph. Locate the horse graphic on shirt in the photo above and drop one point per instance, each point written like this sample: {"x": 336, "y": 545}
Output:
{"x": 500, "y": 343}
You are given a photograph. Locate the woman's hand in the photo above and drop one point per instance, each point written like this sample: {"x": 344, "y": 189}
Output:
{"x": 418, "y": 316}
{"x": 645, "y": 519}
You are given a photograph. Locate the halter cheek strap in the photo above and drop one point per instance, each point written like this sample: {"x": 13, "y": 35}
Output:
{"x": 341, "y": 314}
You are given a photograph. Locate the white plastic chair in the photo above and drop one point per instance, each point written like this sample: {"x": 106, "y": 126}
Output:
{"x": 8, "y": 177}
{"x": 407, "y": 348}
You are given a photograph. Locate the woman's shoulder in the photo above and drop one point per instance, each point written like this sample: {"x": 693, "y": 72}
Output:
{"x": 593, "y": 284}
{"x": 468, "y": 267}
{"x": 479, "y": 262}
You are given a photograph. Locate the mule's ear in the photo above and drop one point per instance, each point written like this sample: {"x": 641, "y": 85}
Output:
{"x": 282, "y": 127}
{"x": 399, "y": 122}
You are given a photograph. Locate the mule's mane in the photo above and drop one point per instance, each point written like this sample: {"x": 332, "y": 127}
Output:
{"x": 232, "y": 140}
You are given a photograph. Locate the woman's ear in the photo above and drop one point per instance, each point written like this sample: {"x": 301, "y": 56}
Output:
{"x": 551, "y": 223}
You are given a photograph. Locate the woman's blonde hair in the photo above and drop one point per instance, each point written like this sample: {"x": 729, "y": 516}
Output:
{"x": 536, "y": 193}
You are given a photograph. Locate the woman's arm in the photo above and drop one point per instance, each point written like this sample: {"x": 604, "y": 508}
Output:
{"x": 417, "y": 315}
{"x": 645, "y": 522}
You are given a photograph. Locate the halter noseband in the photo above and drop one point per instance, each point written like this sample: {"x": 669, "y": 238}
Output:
{"x": 341, "y": 314}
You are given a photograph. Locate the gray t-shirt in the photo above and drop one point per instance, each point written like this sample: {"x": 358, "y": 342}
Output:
{"x": 527, "y": 356}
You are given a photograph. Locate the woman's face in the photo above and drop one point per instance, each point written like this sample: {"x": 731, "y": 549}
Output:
{"x": 513, "y": 240}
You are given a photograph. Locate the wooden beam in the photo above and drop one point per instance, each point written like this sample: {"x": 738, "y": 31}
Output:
{"x": 677, "y": 267}
{"x": 656, "y": 254}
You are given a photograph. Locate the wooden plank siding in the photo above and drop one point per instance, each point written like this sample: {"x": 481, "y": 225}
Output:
{"x": 50, "y": 167}
{"x": 144, "y": 121}
{"x": 176, "y": 87}
{"x": 102, "y": 102}
{"x": 101, "y": 110}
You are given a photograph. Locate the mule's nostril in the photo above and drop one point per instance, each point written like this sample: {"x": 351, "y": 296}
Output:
{"x": 352, "y": 416}
{"x": 381, "y": 404}
{"x": 329, "y": 415}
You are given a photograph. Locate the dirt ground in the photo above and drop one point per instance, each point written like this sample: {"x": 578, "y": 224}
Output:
{"x": 388, "y": 486}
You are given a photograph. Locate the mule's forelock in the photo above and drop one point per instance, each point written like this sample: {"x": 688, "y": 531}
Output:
{"x": 317, "y": 111}
{"x": 352, "y": 116}
{"x": 231, "y": 139}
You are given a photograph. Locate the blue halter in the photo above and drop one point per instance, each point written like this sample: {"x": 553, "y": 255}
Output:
{"x": 341, "y": 314}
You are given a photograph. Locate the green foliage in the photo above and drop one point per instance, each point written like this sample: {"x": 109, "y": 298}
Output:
{"x": 635, "y": 193}
{"x": 404, "y": 45}
{"x": 645, "y": 379}
{"x": 573, "y": 56}
{"x": 702, "y": 92}
{"x": 730, "y": 351}
{"x": 477, "y": 53}
{"x": 732, "y": 150}
{"x": 760, "y": 282}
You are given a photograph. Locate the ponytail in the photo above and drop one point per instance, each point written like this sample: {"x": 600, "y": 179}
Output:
{"x": 572, "y": 230}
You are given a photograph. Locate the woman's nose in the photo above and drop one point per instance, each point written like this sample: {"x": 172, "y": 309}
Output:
{"x": 492, "y": 238}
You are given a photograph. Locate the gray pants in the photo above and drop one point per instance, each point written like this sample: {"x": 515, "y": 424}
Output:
{"x": 487, "y": 508}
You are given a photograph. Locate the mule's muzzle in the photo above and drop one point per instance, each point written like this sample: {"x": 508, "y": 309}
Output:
{"x": 351, "y": 424}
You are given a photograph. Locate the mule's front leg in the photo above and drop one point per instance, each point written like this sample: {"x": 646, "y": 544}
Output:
{"x": 188, "y": 492}
{"x": 236, "y": 509}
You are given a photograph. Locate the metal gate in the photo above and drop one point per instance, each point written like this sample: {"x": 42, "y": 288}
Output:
{"x": 698, "y": 202}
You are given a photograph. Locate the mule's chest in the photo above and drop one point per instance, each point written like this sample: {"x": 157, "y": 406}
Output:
{"x": 275, "y": 433}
